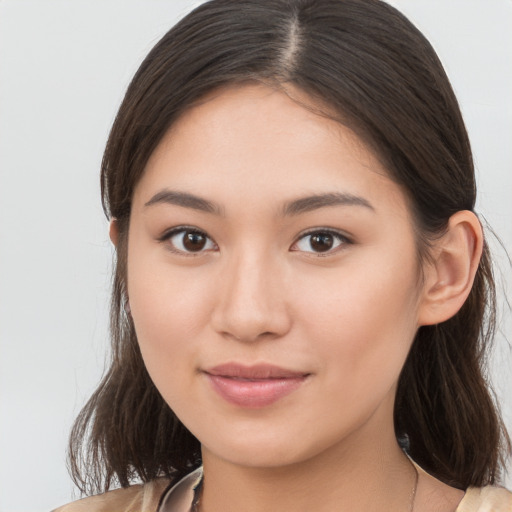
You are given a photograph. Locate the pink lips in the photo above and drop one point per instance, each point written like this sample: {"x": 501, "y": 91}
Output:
{"x": 253, "y": 386}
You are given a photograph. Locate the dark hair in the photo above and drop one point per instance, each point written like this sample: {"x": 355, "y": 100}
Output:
{"x": 376, "y": 73}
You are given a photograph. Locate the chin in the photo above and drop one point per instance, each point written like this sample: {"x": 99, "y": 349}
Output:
{"x": 264, "y": 456}
{"x": 267, "y": 447}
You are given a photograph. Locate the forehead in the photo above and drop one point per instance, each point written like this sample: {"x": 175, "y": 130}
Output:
{"x": 255, "y": 113}
{"x": 255, "y": 140}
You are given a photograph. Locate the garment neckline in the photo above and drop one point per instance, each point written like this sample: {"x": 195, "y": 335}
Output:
{"x": 182, "y": 496}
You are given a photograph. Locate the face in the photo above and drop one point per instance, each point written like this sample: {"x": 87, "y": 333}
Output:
{"x": 273, "y": 279}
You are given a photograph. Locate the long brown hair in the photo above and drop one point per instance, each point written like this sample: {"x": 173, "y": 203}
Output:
{"x": 378, "y": 75}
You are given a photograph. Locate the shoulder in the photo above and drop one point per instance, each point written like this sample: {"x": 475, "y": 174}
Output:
{"x": 477, "y": 499}
{"x": 486, "y": 499}
{"x": 140, "y": 498}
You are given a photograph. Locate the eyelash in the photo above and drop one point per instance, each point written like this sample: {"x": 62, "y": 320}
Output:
{"x": 166, "y": 237}
{"x": 342, "y": 239}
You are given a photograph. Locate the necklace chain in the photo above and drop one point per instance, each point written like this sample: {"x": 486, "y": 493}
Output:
{"x": 412, "y": 499}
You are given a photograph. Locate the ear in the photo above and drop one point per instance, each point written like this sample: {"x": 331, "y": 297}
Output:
{"x": 114, "y": 231}
{"x": 449, "y": 278}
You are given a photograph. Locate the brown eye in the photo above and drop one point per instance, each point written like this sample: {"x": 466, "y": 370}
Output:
{"x": 189, "y": 241}
{"x": 321, "y": 242}
{"x": 193, "y": 241}
{"x": 317, "y": 242}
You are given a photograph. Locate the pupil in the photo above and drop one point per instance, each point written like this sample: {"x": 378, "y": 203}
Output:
{"x": 321, "y": 242}
{"x": 194, "y": 241}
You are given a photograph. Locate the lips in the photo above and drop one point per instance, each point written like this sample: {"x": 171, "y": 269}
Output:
{"x": 254, "y": 386}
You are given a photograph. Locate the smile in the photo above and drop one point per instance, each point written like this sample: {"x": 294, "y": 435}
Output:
{"x": 254, "y": 386}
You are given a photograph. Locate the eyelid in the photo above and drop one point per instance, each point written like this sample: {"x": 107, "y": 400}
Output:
{"x": 169, "y": 233}
{"x": 344, "y": 238}
{"x": 177, "y": 229}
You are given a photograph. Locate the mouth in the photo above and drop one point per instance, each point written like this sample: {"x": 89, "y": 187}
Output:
{"x": 254, "y": 386}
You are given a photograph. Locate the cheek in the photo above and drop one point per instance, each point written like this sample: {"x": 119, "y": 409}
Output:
{"x": 365, "y": 321}
{"x": 170, "y": 310}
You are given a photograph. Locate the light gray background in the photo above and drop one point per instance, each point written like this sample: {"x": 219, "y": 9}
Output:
{"x": 64, "y": 66}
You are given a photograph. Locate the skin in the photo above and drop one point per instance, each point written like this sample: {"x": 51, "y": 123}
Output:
{"x": 259, "y": 293}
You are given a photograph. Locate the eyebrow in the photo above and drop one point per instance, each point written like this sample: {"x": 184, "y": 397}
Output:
{"x": 184, "y": 199}
{"x": 314, "y": 202}
{"x": 290, "y": 208}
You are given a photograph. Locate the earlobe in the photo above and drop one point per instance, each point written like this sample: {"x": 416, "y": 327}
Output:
{"x": 449, "y": 278}
{"x": 114, "y": 231}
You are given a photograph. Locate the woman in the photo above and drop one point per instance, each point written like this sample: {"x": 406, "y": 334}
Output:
{"x": 301, "y": 281}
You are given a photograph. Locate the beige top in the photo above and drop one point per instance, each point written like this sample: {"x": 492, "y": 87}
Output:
{"x": 156, "y": 496}
{"x": 136, "y": 498}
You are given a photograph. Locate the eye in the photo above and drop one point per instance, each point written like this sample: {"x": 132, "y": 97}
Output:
{"x": 188, "y": 240}
{"x": 320, "y": 241}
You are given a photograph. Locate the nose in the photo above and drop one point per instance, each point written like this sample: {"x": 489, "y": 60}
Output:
{"x": 252, "y": 302}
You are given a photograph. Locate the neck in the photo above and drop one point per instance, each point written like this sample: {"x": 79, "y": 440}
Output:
{"x": 373, "y": 475}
